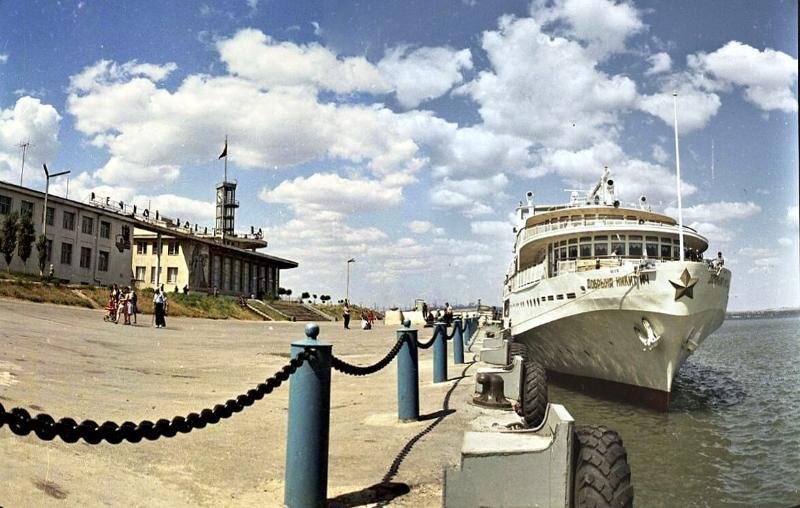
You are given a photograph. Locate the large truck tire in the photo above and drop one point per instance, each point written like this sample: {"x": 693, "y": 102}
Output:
{"x": 602, "y": 474}
{"x": 534, "y": 393}
{"x": 517, "y": 349}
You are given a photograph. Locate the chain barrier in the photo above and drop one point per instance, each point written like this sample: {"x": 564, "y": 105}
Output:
{"x": 426, "y": 345}
{"x": 358, "y": 370}
{"x": 452, "y": 333}
{"x": 46, "y": 428}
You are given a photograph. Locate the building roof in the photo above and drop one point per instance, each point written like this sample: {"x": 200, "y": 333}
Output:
{"x": 53, "y": 198}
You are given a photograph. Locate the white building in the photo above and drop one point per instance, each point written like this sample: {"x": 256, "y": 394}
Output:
{"x": 86, "y": 244}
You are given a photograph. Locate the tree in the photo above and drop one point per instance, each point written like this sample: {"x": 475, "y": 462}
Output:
{"x": 9, "y": 232}
{"x": 26, "y": 235}
{"x": 41, "y": 248}
{"x": 315, "y": 299}
{"x": 305, "y": 295}
{"x": 288, "y": 292}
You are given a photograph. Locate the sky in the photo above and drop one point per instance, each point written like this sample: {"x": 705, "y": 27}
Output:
{"x": 403, "y": 134}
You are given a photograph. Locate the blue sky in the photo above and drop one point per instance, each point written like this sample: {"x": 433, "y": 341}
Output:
{"x": 403, "y": 133}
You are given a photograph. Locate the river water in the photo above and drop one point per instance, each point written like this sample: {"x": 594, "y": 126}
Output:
{"x": 732, "y": 436}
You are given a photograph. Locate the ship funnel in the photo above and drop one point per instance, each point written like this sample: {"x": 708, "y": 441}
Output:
{"x": 529, "y": 198}
{"x": 610, "y": 190}
{"x": 642, "y": 202}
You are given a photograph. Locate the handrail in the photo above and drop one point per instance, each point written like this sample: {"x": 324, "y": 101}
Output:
{"x": 555, "y": 226}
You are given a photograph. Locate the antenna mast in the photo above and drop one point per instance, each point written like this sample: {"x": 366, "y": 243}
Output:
{"x": 678, "y": 176}
{"x": 24, "y": 147}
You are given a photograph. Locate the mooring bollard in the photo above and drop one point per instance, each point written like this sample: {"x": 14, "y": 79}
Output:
{"x": 407, "y": 375}
{"x": 440, "y": 353}
{"x": 458, "y": 343}
{"x": 306, "y": 476}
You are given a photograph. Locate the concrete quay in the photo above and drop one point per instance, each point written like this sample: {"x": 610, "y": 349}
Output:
{"x": 66, "y": 361}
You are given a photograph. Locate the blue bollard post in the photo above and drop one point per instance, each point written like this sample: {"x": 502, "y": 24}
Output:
{"x": 458, "y": 343}
{"x": 465, "y": 328}
{"x": 407, "y": 375}
{"x": 306, "y": 476}
{"x": 440, "y": 353}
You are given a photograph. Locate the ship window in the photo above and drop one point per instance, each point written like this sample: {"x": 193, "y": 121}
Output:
{"x": 601, "y": 238}
{"x": 652, "y": 238}
{"x": 601, "y": 249}
{"x": 635, "y": 248}
{"x": 586, "y": 250}
{"x": 559, "y": 297}
{"x": 550, "y": 298}
{"x": 586, "y": 239}
{"x": 665, "y": 240}
{"x": 666, "y": 250}
{"x": 618, "y": 247}
{"x": 562, "y": 253}
{"x": 562, "y": 243}
{"x": 572, "y": 240}
{"x": 675, "y": 241}
{"x": 570, "y": 295}
{"x": 572, "y": 252}
{"x": 676, "y": 252}
{"x": 652, "y": 250}
{"x": 635, "y": 237}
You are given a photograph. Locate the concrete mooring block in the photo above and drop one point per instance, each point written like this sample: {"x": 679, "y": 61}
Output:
{"x": 512, "y": 378}
{"x": 497, "y": 355}
{"x": 514, "y": 468}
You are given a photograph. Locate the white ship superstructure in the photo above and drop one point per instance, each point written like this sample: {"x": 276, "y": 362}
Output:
{"x": 600, "y": 293}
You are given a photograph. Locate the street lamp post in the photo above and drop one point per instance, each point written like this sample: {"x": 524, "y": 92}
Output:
{"x": 347, "y": 288}
{"x": 46, "y": 193}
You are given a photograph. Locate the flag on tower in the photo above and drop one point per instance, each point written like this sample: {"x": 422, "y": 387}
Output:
{"x": 224, "y": 150}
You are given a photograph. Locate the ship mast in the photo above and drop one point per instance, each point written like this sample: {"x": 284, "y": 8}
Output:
{"x": 678, "y": 176}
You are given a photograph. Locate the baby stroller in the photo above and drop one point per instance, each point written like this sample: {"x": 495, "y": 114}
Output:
{"x": 111, "y": 311}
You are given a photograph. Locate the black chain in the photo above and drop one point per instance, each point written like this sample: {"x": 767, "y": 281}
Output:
{"x": 46, "y": 428}
{"x": 357, "y": 370}
{"x": 426, "y": 345}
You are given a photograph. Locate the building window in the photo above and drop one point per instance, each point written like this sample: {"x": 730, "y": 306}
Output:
{"x": 141, "y": 247}
{"x": 172, "y": 274}
{"x": 102, "y": 261}
{"x": 26, "y": 208}
{"x": 5, "y": 205}
{"x": 50, "y": 217}
{"x": 69, "y": 221}
{"x": 49, "y": 251}
{"x": 172, "y": 248}
{"x": 105, "y": 229}
{"x": 153, "y": 274}
{"x": 86, "y": 257}
{"x": 66, "y": 253}
{"x": 87, "y": 225}
{"x": 140, "y": 273}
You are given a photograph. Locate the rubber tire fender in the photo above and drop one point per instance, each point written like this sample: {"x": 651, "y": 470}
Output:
{"x": 517, "y": 349}
{"x": 602, "y": 474}
{"x": 534, "y": 393}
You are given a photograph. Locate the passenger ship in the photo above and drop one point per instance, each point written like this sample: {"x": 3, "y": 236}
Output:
{"x": 601, "y": 295}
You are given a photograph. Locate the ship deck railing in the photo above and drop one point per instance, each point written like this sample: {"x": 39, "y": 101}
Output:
{"x": 556, "y": 226}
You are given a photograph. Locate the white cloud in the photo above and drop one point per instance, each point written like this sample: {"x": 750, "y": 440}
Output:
{"x": 492, "y": 229}
{"x": 118, "y": 171}
{"x": 547, "y": 88}
{"x": 603, "y": 24}
{"x": 764, "y": 265}
{"x": 28, "y": 120}
{"x": 696, "y": 106}
{"x": 422, "y": 226}
{"x": 469, "y": 196}
{"x": 3, "y": 58}
{"x": 719, "y": 211}
{"x": 106, "y": 72}
{"x": 768, "y": 76}
{"x": 256, "y": 56}
{"x": 713, "y": 232}
{"x": 424, "y": 73}
{"x": 659, "y": 63}
{"x": 633, "y": 177}
{"x": 659, "y": 154}
{"x": 785, "y": 241}
{"x": 758, "y": 252}
{"x": 792, "y": 215}
{"x": 330, "y": 192}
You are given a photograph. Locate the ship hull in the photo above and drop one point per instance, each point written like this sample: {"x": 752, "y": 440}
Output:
{"x": 627, "y": 340}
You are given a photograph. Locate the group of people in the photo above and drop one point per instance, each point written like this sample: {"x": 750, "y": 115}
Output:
{"x": 122, "y": 305}
{"x": 445, "y": 315}
{"x": 367, "y": 317}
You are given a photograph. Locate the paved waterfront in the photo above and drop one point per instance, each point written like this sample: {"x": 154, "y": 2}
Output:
{"x": 67, "y": 362}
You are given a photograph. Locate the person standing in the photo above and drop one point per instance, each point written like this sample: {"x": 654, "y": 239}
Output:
{"x": 346, "y": 315}
{"x": 448, "y": 314}
{"x": 160, "y": 304}
{"x": 134, "y": 304}
{"x": 371, "y": 318}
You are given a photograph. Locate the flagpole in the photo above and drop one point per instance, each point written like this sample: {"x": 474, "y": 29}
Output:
{"x": 226, "y": 158}
{"x": 678, "y": 177}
